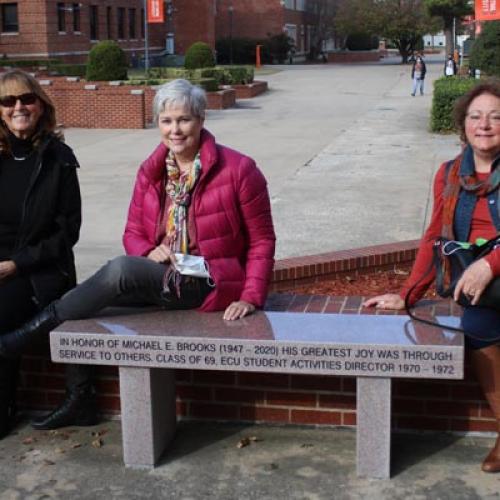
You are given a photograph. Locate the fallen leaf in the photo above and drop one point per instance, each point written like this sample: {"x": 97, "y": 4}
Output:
{"x": 60, "y": 450}
{"x": 76, "y": 445}
{"x": 254, "y": 439}
{"x": 401, "y": 272}
{"x": 97, "y": 443}
{"x": 243, "y": 442}
{"x": 48, "y": 462}
{"x": 28, "y": 440}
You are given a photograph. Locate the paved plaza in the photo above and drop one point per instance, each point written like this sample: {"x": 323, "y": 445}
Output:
{"x": 350, "y": 161}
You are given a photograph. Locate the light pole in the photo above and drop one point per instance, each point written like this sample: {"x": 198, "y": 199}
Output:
{"x": 231, "y": 8}
{"x": 146, "y": 45}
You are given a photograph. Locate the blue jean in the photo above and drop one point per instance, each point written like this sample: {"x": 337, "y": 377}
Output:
{"x": 418, "y": 83}
{"x": 481, "y": 322}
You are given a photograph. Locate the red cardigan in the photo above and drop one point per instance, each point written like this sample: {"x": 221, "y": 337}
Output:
{"x": 481, "y": 227}
{"x": 231, "y": 214}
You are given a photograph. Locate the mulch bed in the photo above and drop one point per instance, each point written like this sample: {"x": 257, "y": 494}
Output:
{"x": 365, "y": 285}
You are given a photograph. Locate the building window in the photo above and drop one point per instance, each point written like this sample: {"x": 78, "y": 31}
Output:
{"x": 300, "y": 5}
{"x": 76, "y": 17}
{"x": 290, "y": 4}
{"x": 109, "y": 23}
{"x": 10, "y": 23}
{"x": 131, "y": 23}
{"x": 291, "y": 31}
{"x": 94, "y": 20}
{"x": 142, "y": 23}
{"x": 121, "y": 23}
{"x": 61, "y": 17}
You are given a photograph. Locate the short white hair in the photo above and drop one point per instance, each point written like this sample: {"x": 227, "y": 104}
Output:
{"x": 180, "y": 93}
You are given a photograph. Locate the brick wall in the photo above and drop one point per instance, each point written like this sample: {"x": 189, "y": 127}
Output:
{"x": 101, "y": 105}
{"x": 354, "y": 56}
{"x": 283, "y": 398}
{"x": 39, "y": 36}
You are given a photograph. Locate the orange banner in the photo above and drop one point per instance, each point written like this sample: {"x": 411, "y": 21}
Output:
{"x": 487, "y": 10}
{"x": 155, "y": 11}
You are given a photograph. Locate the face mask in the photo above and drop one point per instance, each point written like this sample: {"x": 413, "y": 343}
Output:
{"x": 191, "y": 265}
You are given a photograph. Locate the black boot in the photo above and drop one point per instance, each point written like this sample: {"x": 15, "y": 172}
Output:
{"x": 12, "y": 344}
{"x": 78, "y": 408}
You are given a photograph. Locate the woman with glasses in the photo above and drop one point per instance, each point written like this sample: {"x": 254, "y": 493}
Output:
{"x": 467, "y": 208}
{"x": 40, "y": 216}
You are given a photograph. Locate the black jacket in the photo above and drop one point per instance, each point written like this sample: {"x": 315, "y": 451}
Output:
{"x": 424, "y": 70}
{"x": 50, "y": 224}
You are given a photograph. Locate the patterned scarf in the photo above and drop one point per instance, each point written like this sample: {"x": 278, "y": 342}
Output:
{"x": 469, "y": 182}
{"x": 178, "y": 188}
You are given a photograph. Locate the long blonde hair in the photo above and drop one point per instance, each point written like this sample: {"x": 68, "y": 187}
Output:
{"x": 47, "y": 122}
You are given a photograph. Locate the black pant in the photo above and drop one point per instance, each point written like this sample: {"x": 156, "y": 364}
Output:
{"x": 16, "y": 307}
{"x": 129, "y": 281}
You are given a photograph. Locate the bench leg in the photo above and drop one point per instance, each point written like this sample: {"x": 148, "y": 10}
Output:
{"x": 148, "y": 414}
{"x": 373, "y": 444}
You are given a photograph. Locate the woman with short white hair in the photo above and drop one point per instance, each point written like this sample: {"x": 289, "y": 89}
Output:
{"x": 192, "y": 197}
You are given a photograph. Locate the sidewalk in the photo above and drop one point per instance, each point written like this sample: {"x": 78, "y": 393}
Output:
{"x": 205, "y": 463}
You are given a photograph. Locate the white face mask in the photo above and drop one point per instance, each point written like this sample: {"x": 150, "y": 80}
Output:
{"x": 191, "y": 265}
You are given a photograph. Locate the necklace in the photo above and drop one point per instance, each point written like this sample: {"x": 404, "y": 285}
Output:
{"x": 22, "y": 158}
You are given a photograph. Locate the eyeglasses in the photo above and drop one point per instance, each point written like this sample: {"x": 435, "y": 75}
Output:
{"x": 9, "y": 101}
{"x": 493, "y": 117}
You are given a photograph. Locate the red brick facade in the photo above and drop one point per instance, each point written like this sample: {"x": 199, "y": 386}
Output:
{"x": 262, "y": 18}
{"x": 299, "y": 399}
{"x": 47, "y": 28}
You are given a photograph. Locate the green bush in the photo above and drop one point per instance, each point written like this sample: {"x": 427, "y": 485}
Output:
{"x": 199, "y": 55}
{"x": 361, "y": 41}
{"x": 446, "y": 91}
{"x": 69, "y": 69}
{"x": 107, "y": 61}
{"x": 24, "y": 63}
{"x": 485, "y": 52}
{"x": 278, "y": 47}
{"x": 243, "y": 50}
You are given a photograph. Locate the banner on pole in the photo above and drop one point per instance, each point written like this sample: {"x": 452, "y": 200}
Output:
{"x": 487, "y": 10}
{"x": 155, "y": 11}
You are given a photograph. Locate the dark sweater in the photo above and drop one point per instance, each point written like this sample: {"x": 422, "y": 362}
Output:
{"x": 15, "y": 175}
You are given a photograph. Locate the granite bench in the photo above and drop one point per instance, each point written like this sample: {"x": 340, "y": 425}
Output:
{"x": 148, "y": 347}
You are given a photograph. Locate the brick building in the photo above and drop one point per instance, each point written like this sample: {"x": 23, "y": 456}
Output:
{"x": 261, "y": 18}
{"x": 37, "y": 29}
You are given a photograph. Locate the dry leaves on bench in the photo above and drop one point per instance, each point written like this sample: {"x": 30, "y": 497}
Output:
{"x": 246, "y": 441}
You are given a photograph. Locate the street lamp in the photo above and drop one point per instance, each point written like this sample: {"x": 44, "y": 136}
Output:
{"x": 231, "y": 9}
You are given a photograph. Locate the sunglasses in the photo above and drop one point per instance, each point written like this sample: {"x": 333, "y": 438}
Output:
{"x": 9, "y": 101}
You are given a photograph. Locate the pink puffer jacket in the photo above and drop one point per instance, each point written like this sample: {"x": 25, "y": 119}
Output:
{"x": 232, "y": 218}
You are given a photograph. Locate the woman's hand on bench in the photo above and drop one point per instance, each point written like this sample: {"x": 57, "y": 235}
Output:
{"x": 386, "y": 301}
{"x": 238, "y": 310}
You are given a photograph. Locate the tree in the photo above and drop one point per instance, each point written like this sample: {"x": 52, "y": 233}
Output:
{"x": 325, "y": 11}
{"x": 448, "y": 11}
{"x": 485, "y": 53}
{"x": 404, "y": 22}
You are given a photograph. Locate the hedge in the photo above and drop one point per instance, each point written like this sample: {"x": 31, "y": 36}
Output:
{"x": 485, "y": 52}
{"x": 69, "y": 69}
{"x": 199, "y": 55}
{"x": 446, "y": 91}
{"x": 227, "y": 75}
{"x": 107, "y": 61}
{"x": 25, "y": 63}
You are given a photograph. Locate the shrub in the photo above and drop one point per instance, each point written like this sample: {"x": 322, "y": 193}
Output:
{"x": 361, "y": 41}
{"x": 69, "y": 69}
{"x": 107, "y": 61}
{"x": 485, "y": 52}
{"x": 24, "y": 63}
{"x": 199, "y": 55}
{"x": 278, "y": 47}
{"x": 243, "y": 51}
{"x": 208, "y": 84}
{"x": 446, "y": 91}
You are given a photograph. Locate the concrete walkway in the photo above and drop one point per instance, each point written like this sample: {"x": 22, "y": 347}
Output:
{"x": 284, "y": 463}
{"x": 349, "y": 160}
{"x": 343, "y": 147}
